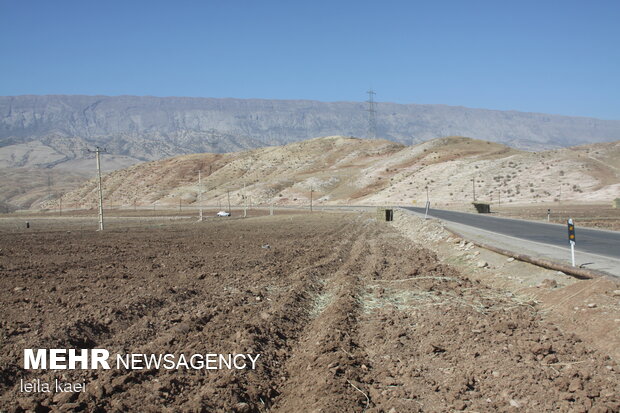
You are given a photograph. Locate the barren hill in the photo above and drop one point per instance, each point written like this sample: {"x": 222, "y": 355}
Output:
{"x": 344, "y": 170}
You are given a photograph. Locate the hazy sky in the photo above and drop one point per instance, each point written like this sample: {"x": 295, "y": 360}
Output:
{"x": 538, "y": 56}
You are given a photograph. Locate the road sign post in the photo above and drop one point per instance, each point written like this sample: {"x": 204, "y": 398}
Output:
{"x": 571, "y": 239}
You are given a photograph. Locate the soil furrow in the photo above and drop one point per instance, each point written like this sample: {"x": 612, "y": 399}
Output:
{"x": 325, "y": 367}
{"x": 346, "y": 315}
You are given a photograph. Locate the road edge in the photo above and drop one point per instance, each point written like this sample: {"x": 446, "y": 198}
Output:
{"x": 577, "y": 272}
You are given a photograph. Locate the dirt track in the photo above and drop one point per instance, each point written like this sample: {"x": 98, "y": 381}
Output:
{"x": 346, "y": 314}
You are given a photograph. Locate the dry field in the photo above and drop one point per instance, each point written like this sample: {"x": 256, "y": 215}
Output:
{"x": 347, "y": 314}
{"x": 120, "y": 217}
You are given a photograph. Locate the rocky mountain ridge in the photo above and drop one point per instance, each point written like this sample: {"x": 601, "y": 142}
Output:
{"x": 149, "y": 128}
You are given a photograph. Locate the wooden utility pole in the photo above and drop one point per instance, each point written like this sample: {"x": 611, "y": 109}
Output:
{"x": 100, "y": 191}
{"x": 245, "y": 203}
{"x": 311, "y": 191}
{"x": 200, "y": 196}
{"x": 473, "y": 185}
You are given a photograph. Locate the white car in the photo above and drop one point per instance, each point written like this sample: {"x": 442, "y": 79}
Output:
{"x": 223, "y": 214}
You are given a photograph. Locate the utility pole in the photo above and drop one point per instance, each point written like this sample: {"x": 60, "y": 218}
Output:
{"x": 473, "y": 185}
{"x": 200, "y": 196}
{"x": 245, "y": 202}
{"x": 272, "y": 195}
{"x": 228, "y": 191}
{"x": 49, "y": 185}
{"x": 97, "y": 152}
{"x": 499, "y": 196}
{"x": 428, "y": 204}
{"x": 311, "y": 191}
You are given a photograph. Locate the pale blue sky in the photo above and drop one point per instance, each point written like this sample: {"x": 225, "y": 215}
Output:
{"x": 537, "y": 56}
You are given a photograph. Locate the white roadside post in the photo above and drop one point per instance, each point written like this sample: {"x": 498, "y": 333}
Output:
{"x": 571, "y": 239}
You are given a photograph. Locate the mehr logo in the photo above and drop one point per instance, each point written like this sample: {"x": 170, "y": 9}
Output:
{"x": 62, "y": 359}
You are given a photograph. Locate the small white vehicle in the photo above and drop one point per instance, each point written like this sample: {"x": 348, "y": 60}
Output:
{"x": 223, "y": 214}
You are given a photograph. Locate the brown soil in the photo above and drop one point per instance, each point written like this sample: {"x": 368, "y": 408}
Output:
{"x": 347, "y": 315}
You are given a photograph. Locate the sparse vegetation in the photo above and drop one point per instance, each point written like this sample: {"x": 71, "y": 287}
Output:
{"x": 311, "y": 160}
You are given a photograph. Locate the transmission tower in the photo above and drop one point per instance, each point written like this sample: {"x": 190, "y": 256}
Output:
{"x": 372, "y": 115}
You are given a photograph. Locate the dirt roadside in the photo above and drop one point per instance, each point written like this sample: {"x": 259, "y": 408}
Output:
{"x": 590, "y": 307}
{"x": 346, "y": 312}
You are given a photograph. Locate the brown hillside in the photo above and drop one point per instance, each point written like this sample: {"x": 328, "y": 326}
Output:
{"x": 348, "y": 170}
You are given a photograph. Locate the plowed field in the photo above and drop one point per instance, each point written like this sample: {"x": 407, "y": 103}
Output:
{"x": 346, "y": 314}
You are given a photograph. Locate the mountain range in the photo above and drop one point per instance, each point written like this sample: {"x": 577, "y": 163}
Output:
{"x": 44, "y": 140}
{"x": 54, "y": 130}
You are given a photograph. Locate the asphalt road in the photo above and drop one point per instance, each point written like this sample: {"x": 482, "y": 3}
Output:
{"x": 594, "y": 241}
